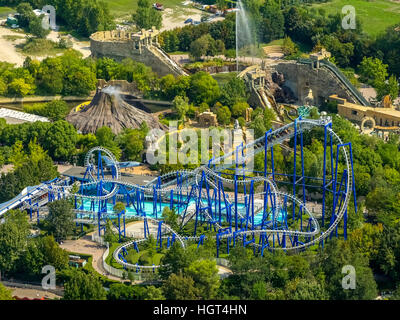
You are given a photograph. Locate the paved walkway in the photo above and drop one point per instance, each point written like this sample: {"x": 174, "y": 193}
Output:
{"x": 86, "y": 246}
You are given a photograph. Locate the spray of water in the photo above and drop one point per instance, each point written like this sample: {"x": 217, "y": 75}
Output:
{"x": 111, "y": 90}
{"x": 245, "y": 39}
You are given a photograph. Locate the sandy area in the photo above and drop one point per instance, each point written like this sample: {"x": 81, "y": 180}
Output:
{"x": 171, "y": 21}
{"x": 6, "y": 168}
{"x": 141, "y": 170}
{"x": 81, "y": 46}
{"x": 368, "y": 93}
{"x": 174, "y": 18}
{"x": 8, "y": 52}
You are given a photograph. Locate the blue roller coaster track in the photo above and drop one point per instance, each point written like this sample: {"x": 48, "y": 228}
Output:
{"x": 266, "y": 210}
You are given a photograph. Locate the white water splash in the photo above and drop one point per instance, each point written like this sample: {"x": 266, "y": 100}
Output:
{"x": 245, "y": 39}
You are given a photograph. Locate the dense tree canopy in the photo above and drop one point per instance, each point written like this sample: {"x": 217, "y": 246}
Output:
{"x": 84, "y": 286}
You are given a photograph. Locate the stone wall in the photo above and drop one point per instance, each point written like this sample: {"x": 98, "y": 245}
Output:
{"x": 121, "y": 46}
{"x": 323, "y": 83}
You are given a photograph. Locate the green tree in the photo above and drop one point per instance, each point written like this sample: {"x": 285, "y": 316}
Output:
{"x": 21, "y": 88}
{"x": 175, "y": 260}
{"x": 269, "y": 116}
{"x": 5, "y": 294}
{"x": 3, "y": 88}
{"x": 233, "y": 91}
{"x": 180, "y": 105}
{"x": 272, "y": 21}
{"x": 239, "y": 109}
{"x": 224, "y": 115}
{"x": 50, "y": 76}
{"x": 336, "y": 255}
{"x": 170, "y": 217}
{"x": 205, "y": 276}
{"x": 131, "y": 142}
{"x": 26, "y": 14}
{"x": 106, "y": 138}
{"x": 79, "y": 81}
{"x": 54, "y": 110}
{"x": 259, "y": 291}
{"x": 205, "y": 45}
{"x": 373, "y": 71}
{"x": 18, "y": 157}
{"x": 119, "y": 291}
{"x": 305, "y": 289}
{"x": 36, "y": 28}
{"x": 393, "y": 87}
{"x": 258, "y": 126}
{"x": 289, "y": 47}
{"x": 60, "y": 140}
{"x": 82, "y": 286}
{"x": 153, "y": 293}
{"x": 41, "y": 252}
{"x": 109, "y": 235}
{"x": 388, "y": 258}
{"x": 13, "y": 239}
{"x": 61, "y": 219}
{"x": 342, "y": 51}
{"x": 203, "y": 88}
{"x": 107, "y": 68}
{"x": 146, "y": 17}
{"x": 180, "y": 287}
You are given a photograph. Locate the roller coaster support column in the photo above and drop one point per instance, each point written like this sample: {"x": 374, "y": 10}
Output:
{"x": 339, "y": 193}
{"x": 119, "y": 225}
{"x": 171, "y": 200}
{"x": 201, "y": 241}
{"x": 324, "y": 173}
{"x": 159, "y": 234}
{"x": 250, "y": 207}
{"x": 100, "y": 166}
{"x": 244, "y": 173}
{"x": 30, "y": 208}
{"x": 146, "y": 230}
{"x": 155, "y": 198}
{"x": 352, "y": 177}
{"x": 294, "y": 166}
{"x": 266, "y": 171}
{"x": 236, "y": 191}
{"x": 302, "y": 167}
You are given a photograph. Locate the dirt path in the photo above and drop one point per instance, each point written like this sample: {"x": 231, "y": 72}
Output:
{"x": 86, "y": 246}
{"x": 8, "y": 52}
{"x": 81, "y": 46}
{"x": 224, "y": 271}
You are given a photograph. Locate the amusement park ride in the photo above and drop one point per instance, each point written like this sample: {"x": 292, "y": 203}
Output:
{"x": 265, "y": 210}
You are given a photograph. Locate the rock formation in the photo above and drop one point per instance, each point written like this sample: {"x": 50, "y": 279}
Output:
{"x": 109, "y": 109}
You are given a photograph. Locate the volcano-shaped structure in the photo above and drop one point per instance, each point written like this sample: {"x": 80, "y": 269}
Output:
{"x": 108, "y": 109}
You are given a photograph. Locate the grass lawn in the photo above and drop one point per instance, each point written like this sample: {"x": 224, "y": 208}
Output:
{"x": 12, "y": 37}
{"x": 133, "y": 257}
{"x": 277, "y": 42}
{"x": 39, "y": 47}
{"x": 375, "y": 15}
{"x": 224, "y": 77}
{"x": 126, "y": 7}
{"x": 4, "y": 11}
